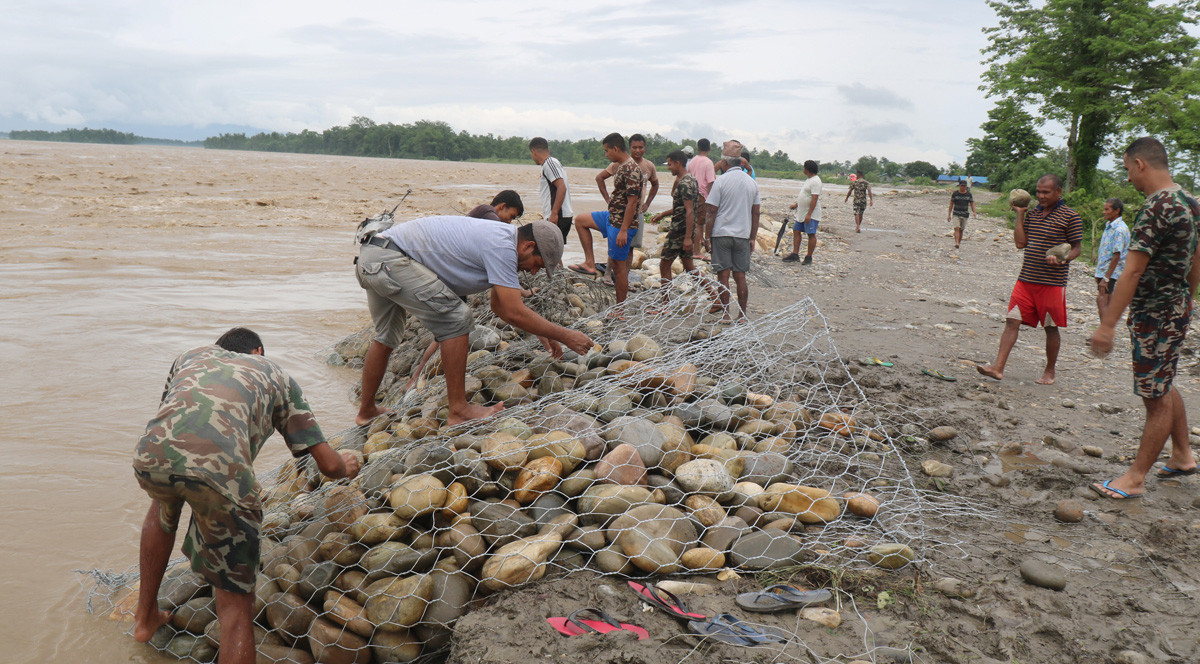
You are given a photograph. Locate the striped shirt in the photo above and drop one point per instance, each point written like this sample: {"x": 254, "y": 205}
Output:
{"x": 552, "y": 171}
{"x": 1045, "y": 229}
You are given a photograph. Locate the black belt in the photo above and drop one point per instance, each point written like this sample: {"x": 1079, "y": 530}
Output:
{"x": 385, "y": 243}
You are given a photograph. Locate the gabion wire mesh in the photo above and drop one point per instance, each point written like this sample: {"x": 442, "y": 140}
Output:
{"x": 676, "y": 447}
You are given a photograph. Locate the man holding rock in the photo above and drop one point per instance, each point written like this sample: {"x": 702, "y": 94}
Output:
{"x": 424, "y": 266}
{"x": 1040, "y": 294}
{"x": 220, "y": 405}
{"x": 1162, "y": 272}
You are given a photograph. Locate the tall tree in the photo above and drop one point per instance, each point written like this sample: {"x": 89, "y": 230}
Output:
{"x": 1009, "y": 135}
{"x": 1084, "y": 63}
{"x": 1173, "y": 115}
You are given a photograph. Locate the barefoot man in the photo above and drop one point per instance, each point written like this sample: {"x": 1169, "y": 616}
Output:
{"x": 1162, "y": 272}
{"x": 220, "y": 405}
{"x": 423, "y": 266}
{"x": 1040, "y": 294}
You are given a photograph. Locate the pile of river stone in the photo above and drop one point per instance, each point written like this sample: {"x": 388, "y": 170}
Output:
{"x": 614, "y": 462}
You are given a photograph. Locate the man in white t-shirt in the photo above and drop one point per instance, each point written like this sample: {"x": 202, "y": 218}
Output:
{"x": 552, "y": 187}
{"x": 732, "y": 213}
{"x": 808, "y": 201}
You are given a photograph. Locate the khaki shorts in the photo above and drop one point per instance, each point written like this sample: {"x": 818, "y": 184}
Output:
{"x": 961, "y": 222}
{"x": 222, "y": 537}
{"x": 397, "y": 284}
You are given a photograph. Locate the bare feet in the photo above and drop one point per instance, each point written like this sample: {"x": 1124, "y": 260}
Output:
{"x": 989, "y": 371}
{"x": 144, "y": 627}
{"x": 1046, "y": 379}
{"x": 365, "y": 415}
{"x": 472, "y": 412}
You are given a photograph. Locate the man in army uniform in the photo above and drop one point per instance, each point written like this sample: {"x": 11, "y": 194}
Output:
{"x": 1162, "y": 271}
{"x": 861, "y": 189}
{"x": 685, "y": 200}
{"x": 219, "y": 406}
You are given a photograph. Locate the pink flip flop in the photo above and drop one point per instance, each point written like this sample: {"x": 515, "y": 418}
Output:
{"x": 573, "y": 625}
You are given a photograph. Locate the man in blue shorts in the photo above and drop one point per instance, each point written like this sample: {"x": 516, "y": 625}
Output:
{"x": 619, "y": 223}
{"x": 808, "y": 200}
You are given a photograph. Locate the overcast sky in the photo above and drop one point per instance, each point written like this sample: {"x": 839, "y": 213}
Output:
{"x": 817, "y": 80}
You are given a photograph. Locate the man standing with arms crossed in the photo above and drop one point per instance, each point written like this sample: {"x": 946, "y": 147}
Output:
{"x": 1162, "y": 272}
{"x": 732, "y": 212}
{"x": 808, "y": 200}
{"x": 861, "y": 190}
{"x": 552, "y": 187}
{"x": 701, "y": 168}
{"x": 220, "y": 404}
{"x": 619, "y": 223}
{"x": 1040, "y": 294}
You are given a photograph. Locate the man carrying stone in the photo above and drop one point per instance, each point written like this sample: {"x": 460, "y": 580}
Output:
{"x": 552, "y": 187}
{"x": 619, "y": 223}
{"x": 809, "y": 200}
{"x": 1162, "y": 272}
{"x": 424, "y": 266}
{"x": 732, "y": 212}
{"x": 701, "y": 168}
{"x": 960, "y": 201}
{"x": 1040, "y": 294}
{"x": 685, "y": 198}
{"x": 506, "y": 206}
{"x": 219, "y": 406}
{"x": 861, "y": 189}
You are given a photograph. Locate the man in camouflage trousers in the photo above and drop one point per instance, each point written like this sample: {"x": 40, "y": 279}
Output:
{"x": 219, "y": 406}
{"x": 685, "y": 201}
{"x": 1161, "y": 274}
{"x": 861, "y": 189}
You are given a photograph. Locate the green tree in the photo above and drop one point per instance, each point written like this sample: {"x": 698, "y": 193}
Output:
{"x": 1009, "y": 137}
{"x": 1084, "y": 63}
{"x": 921, "y": 169}
{"x": 1173, "y": 115}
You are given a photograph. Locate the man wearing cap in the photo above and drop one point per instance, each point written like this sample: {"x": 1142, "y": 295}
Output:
{"x": 424, "y": 266}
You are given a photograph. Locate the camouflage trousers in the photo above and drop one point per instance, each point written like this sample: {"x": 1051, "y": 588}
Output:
{"x": 222, "y": 538}
{"x": 673, "y": 246}
{"x": 1157, "y": 338}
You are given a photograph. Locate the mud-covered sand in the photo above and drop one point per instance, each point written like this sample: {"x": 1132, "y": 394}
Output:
{"x": 898, "y": 291}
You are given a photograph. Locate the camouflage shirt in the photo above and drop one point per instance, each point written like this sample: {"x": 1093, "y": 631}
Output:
{"x": 1165, "y": 228}
{"x": 217, "y": 410}
{"x": 629, "y": 180}
{"x": 686, "y": 189}
{"x": 859, "y": 189}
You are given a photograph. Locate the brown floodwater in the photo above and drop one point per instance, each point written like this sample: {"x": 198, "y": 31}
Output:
{"x": 113, "y": 261}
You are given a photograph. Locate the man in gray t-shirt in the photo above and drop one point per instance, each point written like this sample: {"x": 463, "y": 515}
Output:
{"x": 424, "y": 266}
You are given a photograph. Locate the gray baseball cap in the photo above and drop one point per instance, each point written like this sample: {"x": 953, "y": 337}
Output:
{"x": 549, "y": 244}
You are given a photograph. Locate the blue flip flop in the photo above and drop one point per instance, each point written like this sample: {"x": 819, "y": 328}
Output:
{"x": 1122, "y": 494}
{"x": 1167, "y": 471}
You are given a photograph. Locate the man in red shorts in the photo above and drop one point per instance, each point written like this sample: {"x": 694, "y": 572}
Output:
{"x": 1162, "y": 272}
{"x": 1040, "y": 295}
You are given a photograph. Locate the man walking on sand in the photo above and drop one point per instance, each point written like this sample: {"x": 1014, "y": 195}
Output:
{"x": 685, "y": 199}
{"x": 732, "y": 212}
{"x": 552, "y": 187}
{"x": 1110, "y": 258}
{"x": 1040, "y": 294}
{"x": 809, "y": 200}
{"x": 959, "y": 202}
{"x": 423, "y": 266}
{"x": 619, "y": 223}
{"x": 220, "y": 405}
{"x": 701, "y": 168}
{"x": 1162, "y": 272}
{"x": 861, "y": 189}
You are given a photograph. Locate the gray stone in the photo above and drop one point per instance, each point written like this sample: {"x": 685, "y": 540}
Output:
{"x": 583, "y": 427}
{"x": 653, "y": 537}
{"x": 470, "y": 470}
{"x": 601, "y": 502}
{"x": 646, "y": 438}
{"x": 1042, "y": 574}
{"x": 611, "y": 406}
{"x": 452, "y": 591}
{"x": 483, "y": 337}
{"x": 316, "y": 579}
{"x": 722, "y": 535}
{"x": 672, "y": 493}
{"x": 395, "y": 559}
{"x": 195, "y": 614}
{"x": 500, "y": 524}
{"x": 715, "y": 414}
{"x": 1129, "y": 657}
{"x": 1108, "y": 408}
{"x": 431, "y": 458}
{"x": 179, "y": 585}
{"x": 191, "y": 646}
{"x": 611, "y": 560}
{"x": 766, "y": 469}
{"x": 690, "y": 413}
{"x": 765, "y": 549}
{"x": 548, "y": 506}
{"x": 704, "y": 476}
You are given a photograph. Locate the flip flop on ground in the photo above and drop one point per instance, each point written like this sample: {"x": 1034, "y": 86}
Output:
{"x": 873, "y": 361}
{"x": 1167, "y": 471}
{"x": 728, "y": 629}
{"x": 781, "y": 597}
{"x": 603, "y": 623}
{"x": 938, "y": 375}
{"x": 665, "y": 600}
{"x": 1106, "y": 486}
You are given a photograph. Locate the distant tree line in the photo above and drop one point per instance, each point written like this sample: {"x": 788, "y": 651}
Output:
{"x": 86, "y": 135}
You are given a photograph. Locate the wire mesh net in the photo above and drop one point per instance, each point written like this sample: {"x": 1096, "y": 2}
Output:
{"x": 678, "y": 447}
